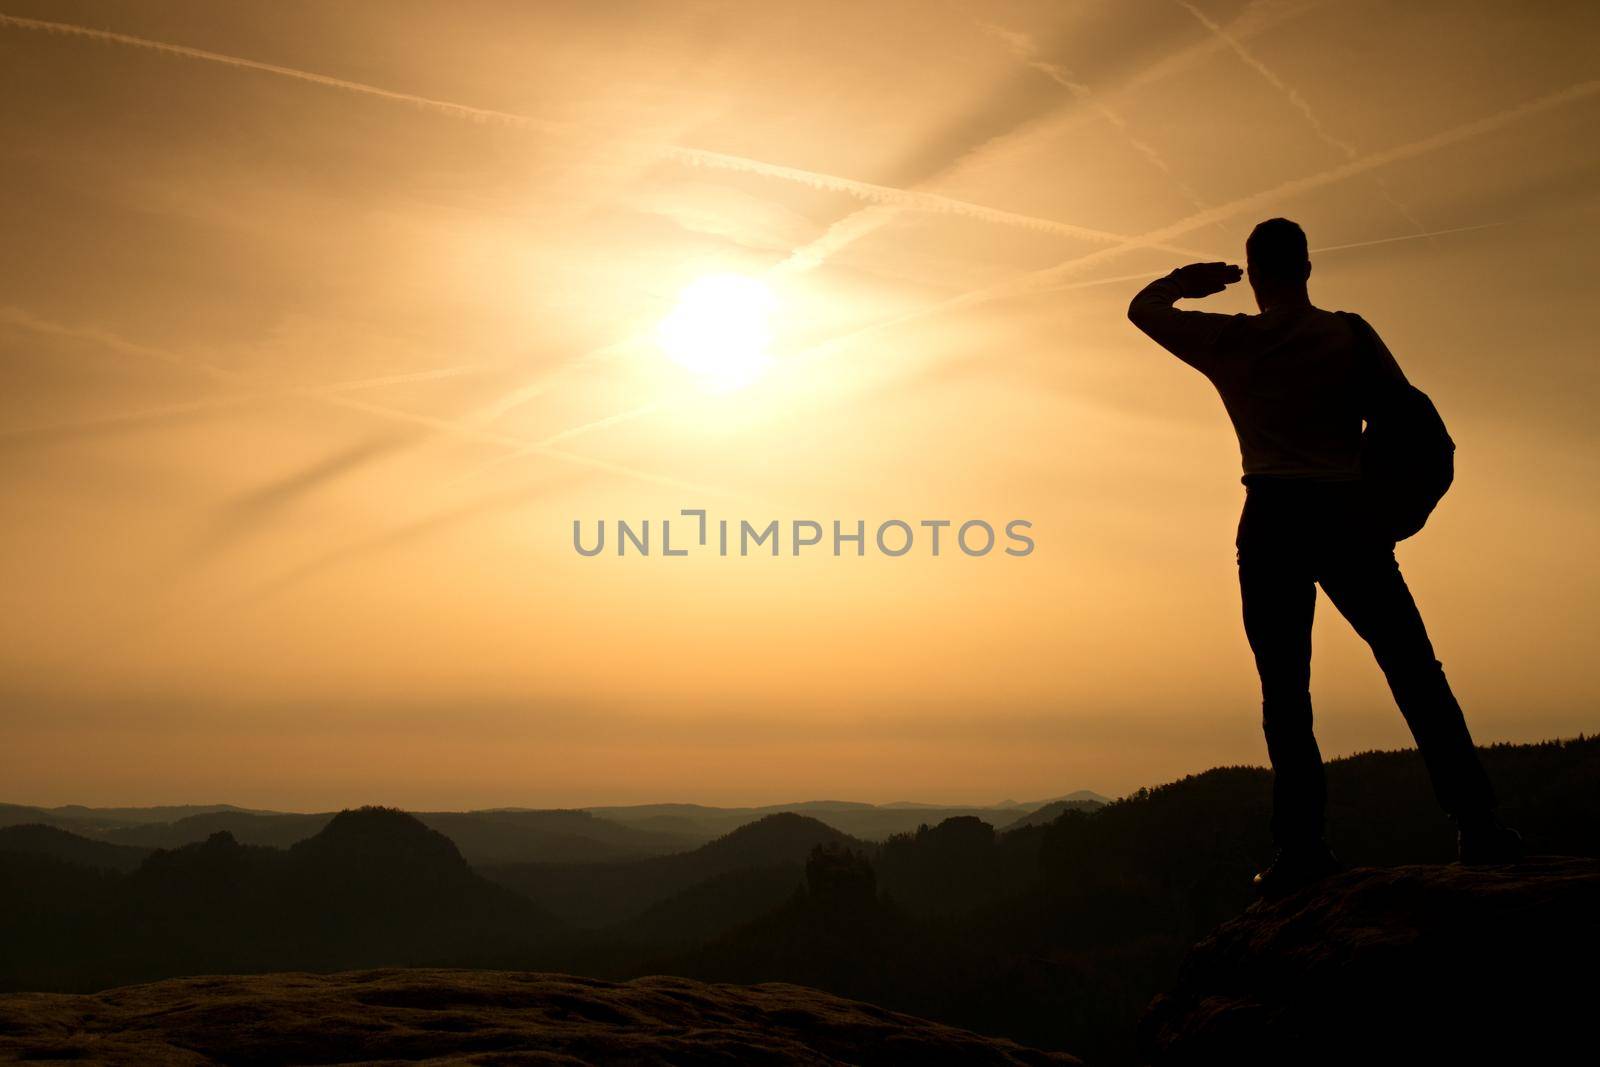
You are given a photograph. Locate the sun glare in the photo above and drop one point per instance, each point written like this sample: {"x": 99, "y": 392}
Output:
{"x": 720, "y": 329}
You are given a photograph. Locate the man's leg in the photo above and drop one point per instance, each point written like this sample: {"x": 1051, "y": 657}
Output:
{"x": 1279, "y": 601}
{"x": 1368, "y": 589}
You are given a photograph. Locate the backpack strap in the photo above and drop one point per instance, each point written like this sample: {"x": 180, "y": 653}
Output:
{"x": 1379, "y": 380}
{"x": 1368, "y": 379}
{"x": 1361, "y": 333}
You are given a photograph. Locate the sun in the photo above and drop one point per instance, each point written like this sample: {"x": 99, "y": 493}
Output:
{"x": 720, "y": 329}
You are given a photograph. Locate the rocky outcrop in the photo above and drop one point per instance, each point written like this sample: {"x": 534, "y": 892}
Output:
{"x": 1438, "y": 964}
{"x": 426, "y": 1016}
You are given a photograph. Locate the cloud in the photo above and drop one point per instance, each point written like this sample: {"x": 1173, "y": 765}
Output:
{"x": 1053, "y": 278}
{"x": 870, "y": 192}
{"x": 1023, "y": 47}
{"x": 336, "y": 398}
{"x": 692, "y": 157}
{"x": 74, "y": 429}
{"x": 1296, "y": 101}
{"x": 247, "y": 514}
{"x": 396, "y": 536}
{"x": 1257, "y": 18}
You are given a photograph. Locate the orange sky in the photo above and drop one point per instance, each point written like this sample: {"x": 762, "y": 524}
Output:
{"x": 320, "y": 324}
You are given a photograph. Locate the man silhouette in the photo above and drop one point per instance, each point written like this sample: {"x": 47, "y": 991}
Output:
{"x": 1290, "y": 379}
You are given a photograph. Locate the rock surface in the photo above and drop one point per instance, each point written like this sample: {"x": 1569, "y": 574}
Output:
{"x": 457, "y": 1016}
{"x": 1440, "y": 964}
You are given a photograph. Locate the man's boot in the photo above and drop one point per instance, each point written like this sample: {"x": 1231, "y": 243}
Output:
{"x": 1486, "y": 840}
{"x": 1295, "y": 868}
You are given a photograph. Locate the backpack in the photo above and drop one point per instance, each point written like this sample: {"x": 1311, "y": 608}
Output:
{"x": 1407, "y": 456}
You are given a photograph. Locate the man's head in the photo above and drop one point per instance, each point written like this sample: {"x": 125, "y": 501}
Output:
{"x": 1277, "y": 261}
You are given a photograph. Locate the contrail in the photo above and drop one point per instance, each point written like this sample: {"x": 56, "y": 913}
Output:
{"x": 1138, "y": 276}
{"x": 1296, "y": 101}
{"x": 393, "y": 537}
{"x": 928, "y": 203}
{"x": 1409, "y": 237}
{"x": 1257, "y": 18}
{"x": 481, "y": 435}
{"x": 443, "y": 107}
{"x": 408, "y": 377}
{"x": 867, "y": 221}
{"x": 1145, "y": 276}
{"x": 1063, "y": 77}
{"x": 1254, "y": 19}
{"x": 1051, "y": 278}
{"x": 1322, "y": 251}
{"x": 165, "y": 412}
{"x": 83, "y": 427}
{"x": 254, "y": 510}
{"x": 478, "y": 435}
{"x": 1023, "y": 47}
{"x": 694, "y": 157}
{"x": 870, "y": 192}
{"x": 543, "y": 383}
{"x": 855, "y": 226}
{"x": 839, "y": 235}
{"x": 576, "y": 431}
{"x": 18, "y": 317}
{"x": 1036, "y": 280}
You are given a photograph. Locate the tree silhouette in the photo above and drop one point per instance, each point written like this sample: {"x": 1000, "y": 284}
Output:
{"x": 840, "y": 879}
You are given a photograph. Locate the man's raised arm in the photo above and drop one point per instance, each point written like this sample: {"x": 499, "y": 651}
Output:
{"x": 1189, "y": 335}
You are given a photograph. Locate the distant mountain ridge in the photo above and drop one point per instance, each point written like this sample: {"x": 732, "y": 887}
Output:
{"x": 1051, "y": 811}
{"x": 156, "y": 813}
{"x": 869, "y": 822}
{"x": 483, "y": 837}
{"x": 595, "y": 894}
{"x": 52, "y": 841}
{"x": 498, "y": 836}
{"x": 373, "y": 885}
